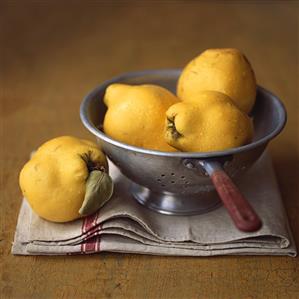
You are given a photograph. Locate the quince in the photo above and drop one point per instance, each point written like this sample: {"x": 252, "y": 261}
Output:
{"x": 211, "y": 122}
{"x": 224, "y": 70}
{"x": 136, "y": 114}
{"x": 65, "y": 179}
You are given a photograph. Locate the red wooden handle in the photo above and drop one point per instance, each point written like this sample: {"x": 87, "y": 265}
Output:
{"x": 239, "y": 209}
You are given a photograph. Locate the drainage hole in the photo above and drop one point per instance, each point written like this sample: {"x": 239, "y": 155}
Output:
{"x": 162, "y": 185}
{"x": 162, "y": 174}
{"x": 172, "y": 174}
{"x": 172, "y": 182}
{"x": 182, "y": 177}
{"x": 159, "y": 180}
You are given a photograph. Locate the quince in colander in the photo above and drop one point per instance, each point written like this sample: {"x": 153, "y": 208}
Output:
{"x": 224, "y": 70}
{"x": 209, "y": 122}
{"x": 136, "y": 114}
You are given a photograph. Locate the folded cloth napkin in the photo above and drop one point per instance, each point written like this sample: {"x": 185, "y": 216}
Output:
{"x": 123, "y": 225}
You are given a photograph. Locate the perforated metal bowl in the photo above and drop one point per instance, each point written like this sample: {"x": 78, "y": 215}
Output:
{"x": 179, "y": 183}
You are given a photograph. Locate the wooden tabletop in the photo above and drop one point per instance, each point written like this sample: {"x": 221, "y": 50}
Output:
{"x": 52, "y": 54}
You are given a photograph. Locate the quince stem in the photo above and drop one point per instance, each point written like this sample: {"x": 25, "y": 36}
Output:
{"x": 172, "y": 128}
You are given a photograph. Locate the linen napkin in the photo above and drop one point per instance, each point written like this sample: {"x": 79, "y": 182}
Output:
{"x": 123, "y": 225}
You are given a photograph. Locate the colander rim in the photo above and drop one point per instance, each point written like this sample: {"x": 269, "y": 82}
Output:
{"x": 282, "y": 115}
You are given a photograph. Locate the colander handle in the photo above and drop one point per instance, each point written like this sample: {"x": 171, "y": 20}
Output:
{"x": 241, "y": 212}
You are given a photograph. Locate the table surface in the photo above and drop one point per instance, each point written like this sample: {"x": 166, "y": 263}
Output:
{"x": 52, "y": 54}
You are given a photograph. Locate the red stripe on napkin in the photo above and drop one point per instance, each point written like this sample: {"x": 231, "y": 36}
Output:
{"x": 89, "y": 225}
{"x": 89, "y": 222}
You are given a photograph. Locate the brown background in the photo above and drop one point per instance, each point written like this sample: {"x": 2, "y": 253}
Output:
{"x": 52, "y": 54}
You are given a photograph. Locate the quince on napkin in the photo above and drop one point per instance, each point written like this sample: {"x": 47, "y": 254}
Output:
{"x": 65, "y": 179}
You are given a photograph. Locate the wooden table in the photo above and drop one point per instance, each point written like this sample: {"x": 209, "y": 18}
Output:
{"x": 52, "y": 54}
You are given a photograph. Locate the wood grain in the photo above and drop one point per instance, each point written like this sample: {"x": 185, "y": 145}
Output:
{"x": 52, "y": 54}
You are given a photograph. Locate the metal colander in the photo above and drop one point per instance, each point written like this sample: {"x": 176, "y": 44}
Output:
{"x": 182, "y": 183}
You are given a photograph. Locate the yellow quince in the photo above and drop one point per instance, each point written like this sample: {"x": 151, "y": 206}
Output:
{"x": 65, "y": 179}
{"x": 211, "y": 122}
{"x": 224, "y": 70}
{"x": 136, "y": 114}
